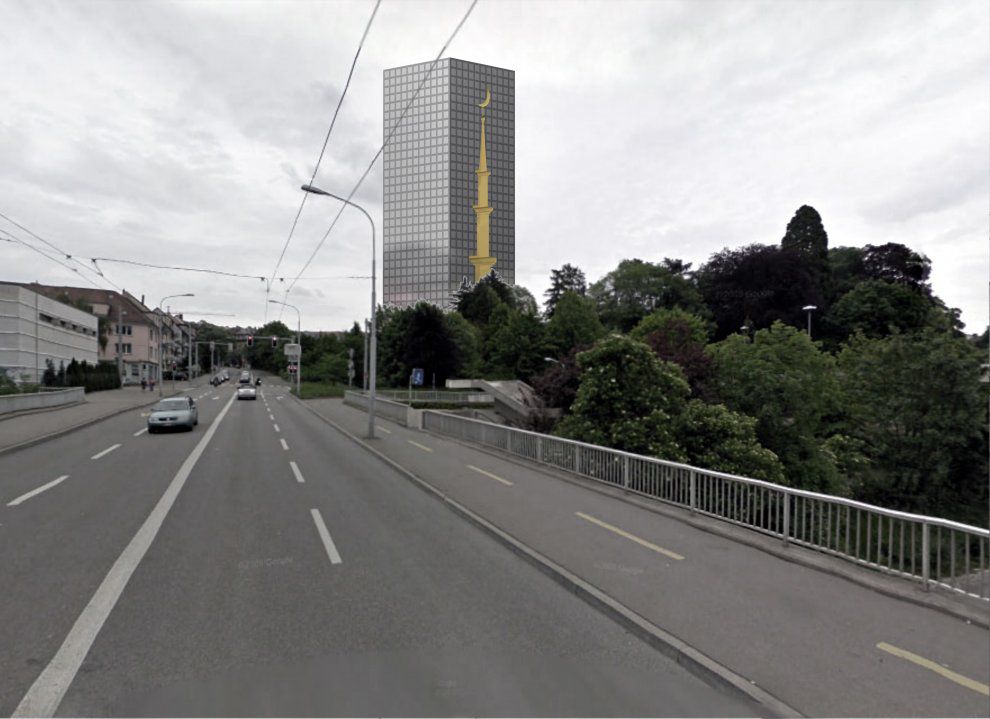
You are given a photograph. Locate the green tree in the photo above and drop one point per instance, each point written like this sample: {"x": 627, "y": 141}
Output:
{"x": 567, "y": 279}
{"x": 523, "y": 300}
{"x": 477, "y": 304}
{"x": 574, "y": 323}
{"x": 633, "y": 289}
{"x": 877, "y": 308}
{"x": 806, "y": 234}
{"x": 467, "y": 339}
{"x": 514, "y": 345}
{"x": 783, "y": 380}
{"x": 420, "y": 337}
{"x": 627, "y": 400}
{"x": 715, "y": 437}
{"x": 265, "y": 357}
{"x": 917, "y": 407}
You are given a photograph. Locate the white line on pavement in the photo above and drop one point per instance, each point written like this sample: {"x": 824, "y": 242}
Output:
{"x": 284, "y": 445}
{"x": 140, "y": 432}
{"x": 489, "y": 474}
{"x": 421, "y": 446}
{"x": 271, "y": 416}
{"x": 39, "y": 490}
{"x": 325, "y": 536}
{"x": 44, "y": 696}
{"x": 383, "y": 429}
{"x": 276, "y": 428}
{"x": 295, "y": 471}
{"x": 108, "y": 450}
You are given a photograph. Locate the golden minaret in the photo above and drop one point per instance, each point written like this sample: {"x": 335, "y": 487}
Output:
{"x": 481, "y": 260}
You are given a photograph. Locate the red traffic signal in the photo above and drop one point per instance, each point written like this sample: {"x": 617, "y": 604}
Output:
{"x": 250, "y": 341}
{"x": 274, "y": 342}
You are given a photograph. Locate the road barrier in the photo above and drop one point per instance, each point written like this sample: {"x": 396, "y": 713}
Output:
{"x": 384, "y": 407}
{"x": 40, "y": 400}
{"x": 428, "y": 395}
{"x": 937, "y": 552}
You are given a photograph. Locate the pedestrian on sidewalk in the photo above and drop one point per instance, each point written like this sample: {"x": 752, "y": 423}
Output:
{"x": 151, "y": 383}
{"x": 144, "y": 384}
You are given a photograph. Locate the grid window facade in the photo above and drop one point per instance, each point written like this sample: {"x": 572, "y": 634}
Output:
{"x": 429, "y": 180}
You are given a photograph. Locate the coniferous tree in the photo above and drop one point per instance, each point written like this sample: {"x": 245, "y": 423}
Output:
{"x": 567, "y": 279}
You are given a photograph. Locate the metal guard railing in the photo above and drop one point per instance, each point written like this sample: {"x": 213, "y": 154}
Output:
{"x": 384, "y": 407}
{"x": 429, "y": 395}
{"x": 937, "y": 552}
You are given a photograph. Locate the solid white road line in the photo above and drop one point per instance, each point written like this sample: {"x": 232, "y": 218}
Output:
{"x": 295, "y": 471}
{"x": 325, "y": 536}
{"x": 276, "y": 428}
{"x": 44, "y": 696}
{"x": 383, "y": 429}
{"x": 107, "y": 451}
{"x": 421, "y": 446}
{"x": 39, "y": 490}
{"x": 489, "y": 474}
{"x": 140, "y": 432}
{"x": 284, "y": 445}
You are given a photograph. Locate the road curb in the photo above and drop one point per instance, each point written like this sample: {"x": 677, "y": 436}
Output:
{"x": 81, "y": 425}
{"x": 696, "y": 662}
{"x": 978, "y": 616}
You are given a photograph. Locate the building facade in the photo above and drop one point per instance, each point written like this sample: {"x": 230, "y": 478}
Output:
{"x": 431, "y": 178}
{"x": 35, "y": 329}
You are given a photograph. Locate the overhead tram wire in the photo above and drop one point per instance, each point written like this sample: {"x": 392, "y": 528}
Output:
{"x": 326, "y": 140}
{"x": 14, "y": 238}
{"x": 61, "y": 252}
{"x": 209, "y": 271}
{"x": 384, "y": 144}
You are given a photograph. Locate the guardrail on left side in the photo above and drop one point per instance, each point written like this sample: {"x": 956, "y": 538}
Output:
{"x": 40, "y": 400}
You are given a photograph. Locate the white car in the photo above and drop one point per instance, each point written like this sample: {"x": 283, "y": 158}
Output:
{"x": 173, "y": 413}
{"x": 246, "y": 391}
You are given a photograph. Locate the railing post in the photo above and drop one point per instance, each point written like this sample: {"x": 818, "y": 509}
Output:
{"x": 926, "y": 567}
{"x": 577, "y": 459}
{"x": 786, "y": 529}
{"x": 625, "y": 471}
{"x": 693, "y": 492}
{"x": 539, "y": 450}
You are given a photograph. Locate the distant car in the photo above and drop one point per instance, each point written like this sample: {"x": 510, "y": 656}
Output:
{"x": 245, "y": 378}
{"x": 246, "y": 391}
{"x": 173, "y": 412}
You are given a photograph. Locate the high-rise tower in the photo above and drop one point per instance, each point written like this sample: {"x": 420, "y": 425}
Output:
{"x": 449, "y": 184}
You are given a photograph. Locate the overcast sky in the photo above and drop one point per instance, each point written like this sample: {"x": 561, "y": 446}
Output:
{"x": 179, "y": 133}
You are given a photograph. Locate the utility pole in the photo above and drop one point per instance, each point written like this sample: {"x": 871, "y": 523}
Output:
{"x": 37, "y": 331}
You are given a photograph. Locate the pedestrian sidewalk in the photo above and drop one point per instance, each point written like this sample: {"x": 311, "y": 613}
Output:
{"x": 29, "y": 428}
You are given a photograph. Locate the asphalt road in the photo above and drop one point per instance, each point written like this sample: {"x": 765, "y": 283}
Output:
{"x": 265, "y": 565}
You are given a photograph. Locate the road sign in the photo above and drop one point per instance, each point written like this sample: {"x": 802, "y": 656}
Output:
{"x": 417, "y": 377}
{"x": 292, "y": 351}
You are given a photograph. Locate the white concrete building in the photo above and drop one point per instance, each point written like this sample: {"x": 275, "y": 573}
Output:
{"x": 35, "y": 328}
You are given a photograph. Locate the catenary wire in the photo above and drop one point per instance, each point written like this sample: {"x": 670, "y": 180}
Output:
{"x": 16, "y": 239}
{"x": 384, "y": 144}
{"x": 323, "y": 149}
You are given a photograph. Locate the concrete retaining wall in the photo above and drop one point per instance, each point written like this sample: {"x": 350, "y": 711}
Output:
{"x": 40, "y": 400}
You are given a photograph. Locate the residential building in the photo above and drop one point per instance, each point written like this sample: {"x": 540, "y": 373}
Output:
{"x": 449, "y": 181}
{"x": 131, "y": 328}
{"x": 35, "y": 329}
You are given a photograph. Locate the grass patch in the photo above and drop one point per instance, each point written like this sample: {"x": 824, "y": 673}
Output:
{"x": 315, "y": 390}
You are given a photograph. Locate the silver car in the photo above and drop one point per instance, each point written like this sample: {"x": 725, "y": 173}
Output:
{"x": 173, "y": 412}
{"x": 246, "y": 391}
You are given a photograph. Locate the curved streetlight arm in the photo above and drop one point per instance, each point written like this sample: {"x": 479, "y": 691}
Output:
{"x": 372, "y": 360}
{"x": 161, "y": 358}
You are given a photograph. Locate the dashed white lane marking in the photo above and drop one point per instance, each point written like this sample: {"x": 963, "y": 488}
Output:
{"x": 216, "y": 398}
{"x": 325, "y": 536}
{"x": 284, "y": 445}
{"x": 978, "y": 687}
{"x": 105, "y": 452}
{"x": 276, "y": 428}
{"x": 421, "y": 446}
{"x": 489, "y": 474}
{"x": 39, "y": 490}
{"x": 295, "y": 471}
{"x": 383, "y": 429}
{"x": 271, "y": 416}
{"x": 44, "y": 696}
{"x": 140, "y": 432}
{"x": 630, "y": 537}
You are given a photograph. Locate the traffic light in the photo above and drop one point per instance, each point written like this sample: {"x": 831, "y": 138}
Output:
{"x": 250, "y": 340}
{"x": 274, "y": 342}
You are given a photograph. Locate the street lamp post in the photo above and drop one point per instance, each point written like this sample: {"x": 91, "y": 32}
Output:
{"x": 161, "y": 324}
{"x": 364, "y": 376}
{"x": 809, "y": 309}
{"x": 298, "y": 338}
{"x": 372, "y": 360}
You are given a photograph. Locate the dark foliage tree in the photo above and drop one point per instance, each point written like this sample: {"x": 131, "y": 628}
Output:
{"x": 679, "y": 337}
{"x": 420, "y": 337}
{"x": 877, "y": 308}
{"x": 558, "y": 384}
{"x": 567, "y": 279}
{"x": 514, "y": 345}
{"x": 635, "y": 288}
{"x": 894, "y": 262}
{"x": 760, "y": 283}
{"x": 806, "y": 234}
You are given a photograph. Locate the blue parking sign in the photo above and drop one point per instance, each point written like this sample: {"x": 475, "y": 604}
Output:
{"x": 417, "y": 377}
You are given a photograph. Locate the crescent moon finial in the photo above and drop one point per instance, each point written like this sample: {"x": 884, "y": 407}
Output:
{"x": 488, "y": 97}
